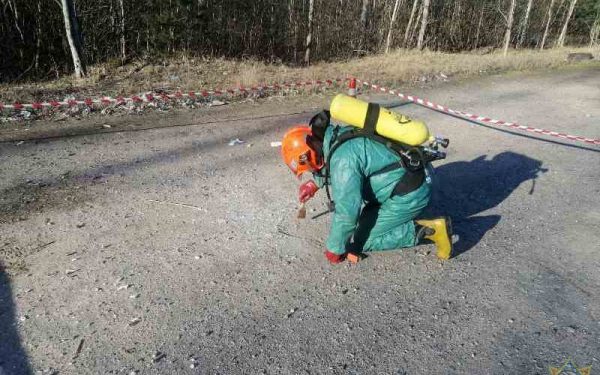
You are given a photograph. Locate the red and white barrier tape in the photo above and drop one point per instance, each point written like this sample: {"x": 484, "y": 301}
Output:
{"x": 149, "y": 97}
{"x": 486, "y": 120}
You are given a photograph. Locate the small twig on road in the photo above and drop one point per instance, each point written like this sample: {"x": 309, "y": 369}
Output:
{"x": 79, "y": 347}
{"x": 281, "y": 231}
{"x": 178, "y": 204}
{"x": 44, "y": 246}
{"x": 71, "y": 273}
{"x": 312, "y": 240}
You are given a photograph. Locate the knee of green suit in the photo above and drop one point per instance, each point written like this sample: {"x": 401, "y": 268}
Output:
{"x": 400, "y": 237}
{"x": 391, "y": 225}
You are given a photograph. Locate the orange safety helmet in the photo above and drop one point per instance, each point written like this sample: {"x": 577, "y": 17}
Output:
{"x": 297, "y": 154}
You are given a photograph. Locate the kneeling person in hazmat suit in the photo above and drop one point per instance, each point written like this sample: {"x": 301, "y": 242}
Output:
{"x": 377, "y": 170}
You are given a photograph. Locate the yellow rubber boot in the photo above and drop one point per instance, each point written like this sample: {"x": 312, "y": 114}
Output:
{"x": 442, "y": 235}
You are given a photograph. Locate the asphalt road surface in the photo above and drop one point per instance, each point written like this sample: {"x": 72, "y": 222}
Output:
{"x": 151, "y": 248}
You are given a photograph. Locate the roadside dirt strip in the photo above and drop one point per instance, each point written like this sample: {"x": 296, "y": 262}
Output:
{"x": 133, "y": 245}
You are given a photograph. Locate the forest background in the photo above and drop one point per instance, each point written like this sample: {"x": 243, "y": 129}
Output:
{"x": 42, "y": 40}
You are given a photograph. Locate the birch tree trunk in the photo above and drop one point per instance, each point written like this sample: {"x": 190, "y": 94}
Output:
{"x": 13, "y": 8}
{"x": 291, "y": 28}
{"x": 123, "y": 45}
{"x": 524, "y": 24}
{"x": 73, "y": 38}
{"x": 595, "y": 31}
{"x": 311, "y": 9}
{"x": 509, "y": 23}
{"x": 364, "y": 23}
{"x": 388, "y": 40}
{"x": 410, "y": 21}
{"x": 563, "y": 34}
{"x": 38, "y": 39}
{"x": 548, "y": 21}
{"x": 416, "y": 23}
{"x": 479, "y": 28}
{"x": 364, "y": 14}
{"x": 424, "y": 20}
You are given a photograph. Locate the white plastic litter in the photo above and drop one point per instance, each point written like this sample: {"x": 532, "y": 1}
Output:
{"x": 235, "y": 142}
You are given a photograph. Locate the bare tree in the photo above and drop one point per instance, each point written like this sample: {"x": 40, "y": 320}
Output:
{"x": 388, "y": 40}
{"x": 479, "y": 27}
{"x": 123, "y": 45}
{"x": 410, "y": 21}
{"x": 595, "y": 30}
{"x": 509, "y": 23}
{"x": 423, "y": 23}
{"x": 38, "y": 38}
{"x": 15, "y": 12}
{"x": 73, "y": 37}
{"x": 561, "y": 39}
{"x": 293, "y": 29}
{"x": 364, "y": 14}
{"x": 311, "y": 10}
{"x": 548, "y": 21}
{"x": 364, "y": 22}
{"x": 524, "y": 24}
{"x": 415, "y": 26}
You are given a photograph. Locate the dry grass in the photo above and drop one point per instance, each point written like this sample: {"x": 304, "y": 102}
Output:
{"x": 408, "y": 66}
{"x": 400, "y": 66}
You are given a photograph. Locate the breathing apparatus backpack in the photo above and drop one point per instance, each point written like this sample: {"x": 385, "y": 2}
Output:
{"x": 405, "y": 137}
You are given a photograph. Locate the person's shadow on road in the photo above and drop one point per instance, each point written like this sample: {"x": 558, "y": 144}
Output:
{"x": 13, "y": 359}
{"x": 465, "y": 189}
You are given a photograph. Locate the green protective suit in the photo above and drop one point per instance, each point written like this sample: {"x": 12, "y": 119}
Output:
{"x": 367, "y": 217}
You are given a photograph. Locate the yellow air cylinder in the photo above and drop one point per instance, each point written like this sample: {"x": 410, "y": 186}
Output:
{"x": 391, "y": 125}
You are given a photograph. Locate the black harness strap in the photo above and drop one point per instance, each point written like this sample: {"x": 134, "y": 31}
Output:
{"x": 392, "y": 167}
{"x": 413, "y": 177}
{"x": 409, "y": 182}
{"x": 371, "y": 119}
